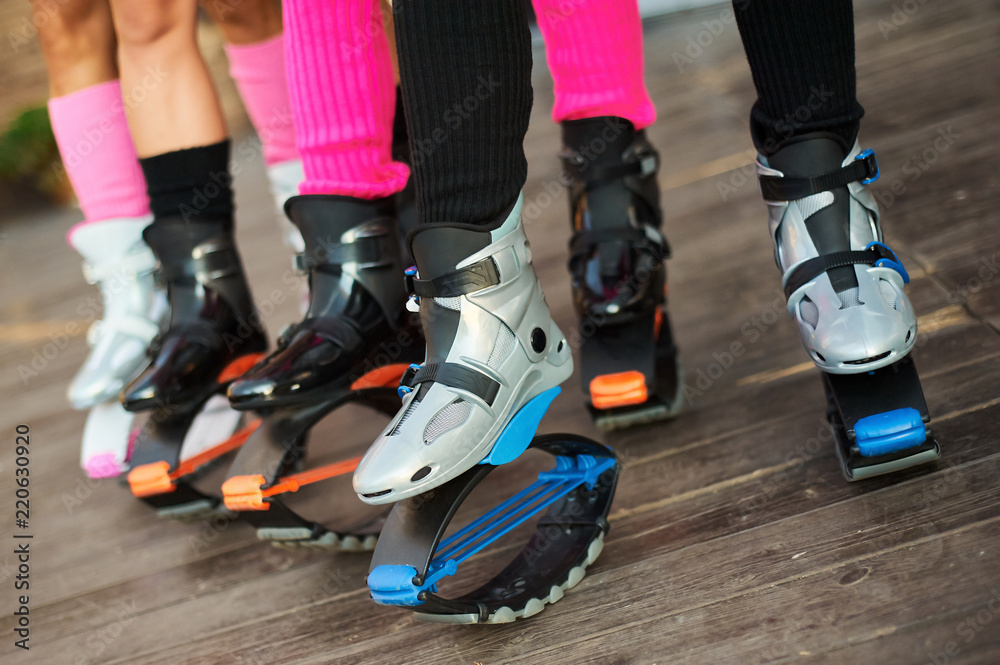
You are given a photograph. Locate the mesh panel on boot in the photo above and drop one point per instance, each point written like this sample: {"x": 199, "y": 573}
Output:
{"x": 502, "y": 348}
{"x": 448, "y": 418}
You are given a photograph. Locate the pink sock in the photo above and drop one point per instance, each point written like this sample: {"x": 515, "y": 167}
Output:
{"x": 259, "y": 72}
{"x": 97, "y": 151}
{"x": 343, "y": 97}
{"x": 594, "y": 51}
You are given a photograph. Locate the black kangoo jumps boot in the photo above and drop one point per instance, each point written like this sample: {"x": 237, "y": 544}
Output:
{"x": 628, "y": 359}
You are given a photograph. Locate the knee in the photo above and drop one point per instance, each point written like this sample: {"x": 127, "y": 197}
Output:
{"x": 72, "y": 31}
{"x": 149, "y": 26}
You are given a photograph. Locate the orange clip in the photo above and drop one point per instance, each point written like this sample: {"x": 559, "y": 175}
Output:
{"x": 151, "y": 479}
{"x": 387, "y": 376}
{"x": 622, "y": 389}
{"x": 157, "y": 478}
{"x": 244, "y": 493}
{"x": 248, "y": 492}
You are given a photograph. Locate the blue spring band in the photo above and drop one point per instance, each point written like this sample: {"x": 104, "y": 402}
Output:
{"x": 394, "y": 584}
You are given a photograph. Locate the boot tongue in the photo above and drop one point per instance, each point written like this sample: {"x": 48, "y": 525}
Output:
{"x": 174, "y": 240}
{"x": 437, "y": 249}
{"x": 829, "y": 226}
{"x": 599, "y": 141}
{"x": 323, "y": 219}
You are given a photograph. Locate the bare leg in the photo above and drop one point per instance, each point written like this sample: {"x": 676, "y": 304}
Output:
{"x": 78, "y": 43}
{"x": 160, "y": 60}
{"x": 244, "y": 21}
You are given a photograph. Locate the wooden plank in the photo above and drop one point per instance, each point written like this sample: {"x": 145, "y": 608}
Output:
{"x": 826, "y": 545}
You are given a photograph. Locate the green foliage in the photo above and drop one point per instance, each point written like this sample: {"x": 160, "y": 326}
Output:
{"x": 29, "y": 155}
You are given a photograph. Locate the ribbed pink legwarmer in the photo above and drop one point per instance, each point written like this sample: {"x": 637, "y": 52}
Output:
{"x": 259, "y": 72}
{"x": 343, "y": 97}
{"x": 97, "y": 151}
{"x": 594, "y": 51}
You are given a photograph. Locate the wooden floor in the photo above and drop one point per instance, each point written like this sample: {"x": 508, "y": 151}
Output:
{"x": 734, "y": 537}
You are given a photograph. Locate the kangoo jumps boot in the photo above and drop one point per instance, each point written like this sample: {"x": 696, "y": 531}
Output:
{"x": 492, "y": 346}
{"x": 845, "y": 291}
{"x": 357, "y": 308}
{"x": 213, "y": 322}
{"x": 116, "y": 258}
{"x": 628, "y": 359}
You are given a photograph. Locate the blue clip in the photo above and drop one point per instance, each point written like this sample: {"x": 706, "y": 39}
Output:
{"x": 889, "y": 432}
{"x": 404, "y": 387}
{"x": 868, "y": 156}
{"x": 408, "y": 275}
{"x": 893, "y": 263}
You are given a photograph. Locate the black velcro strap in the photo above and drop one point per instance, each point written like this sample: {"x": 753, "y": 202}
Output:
{"x": 210, "y": 261}
{"x": 775, "y": 188}
{"x": 367, "y": 250}
{"x": 580, "y": 169}
{"x": 809, "y": 270}
{"x": 457, "y": 376}
{"x": 480, "y": 275}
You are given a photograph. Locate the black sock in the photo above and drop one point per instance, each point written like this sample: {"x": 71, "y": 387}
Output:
{"x": 801, "y": 55}
{"x": 465, "y": 67}
{"x": 193, "y": 184}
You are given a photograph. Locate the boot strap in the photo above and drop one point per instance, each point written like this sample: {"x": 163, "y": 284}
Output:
{"x": 863, "y": 169}
{"x": 876, "y": 254}
{"x": 370, "y": 247}
{"x": 480, "y": 275}
{"x": 452, "y": 375}
{"x": 640, "y": 165}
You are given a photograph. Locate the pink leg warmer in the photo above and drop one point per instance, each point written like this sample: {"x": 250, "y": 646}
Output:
{"x": 97, "y": 151}
{"x": 259, "y": 72}
{"x": 343, "y": 97}
{"x": 594, "y": 51}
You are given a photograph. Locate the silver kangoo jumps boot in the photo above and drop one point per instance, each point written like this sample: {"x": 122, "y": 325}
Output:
{"x": 118, "y": 260}
{"x": 844, "y": 287}
{"x": 491, "y": 347}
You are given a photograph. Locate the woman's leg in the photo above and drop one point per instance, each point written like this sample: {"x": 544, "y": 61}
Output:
{"x": 343, "y": 98}
{"x": 88, "y": 120}
{"x": 802, "y": 61}
{"x": 844, "y": 288}
{"x": 491, "y": 344}
{"x": 180, "y": 135}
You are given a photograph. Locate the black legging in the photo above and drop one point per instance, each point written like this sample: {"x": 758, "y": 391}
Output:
{"x": 465, "y": 70}
{"x": 801, "y": 56}
{"x": 465, "y": 67}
